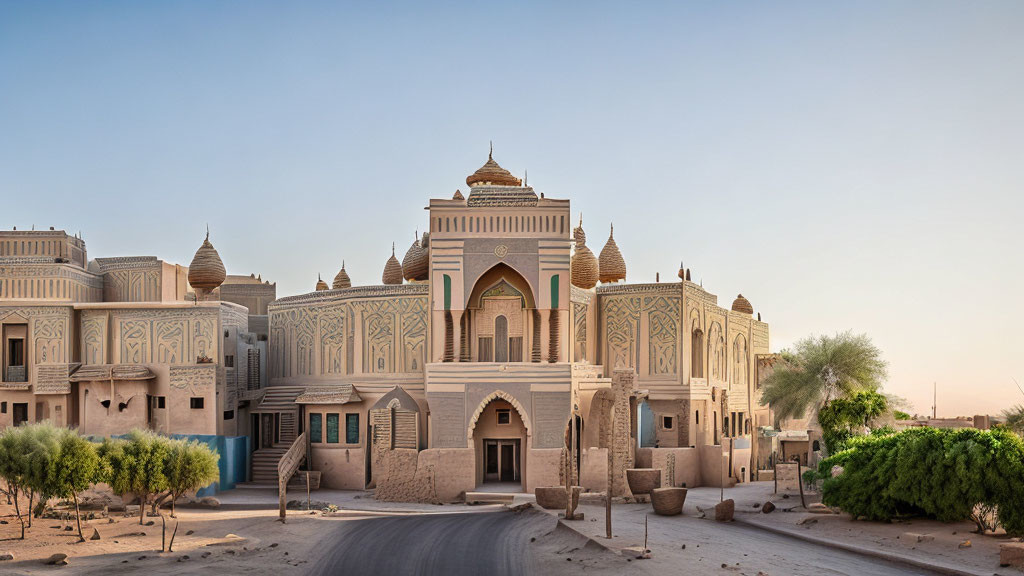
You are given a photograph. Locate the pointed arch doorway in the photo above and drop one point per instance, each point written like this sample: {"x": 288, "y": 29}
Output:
{"x": 499, "y": 436}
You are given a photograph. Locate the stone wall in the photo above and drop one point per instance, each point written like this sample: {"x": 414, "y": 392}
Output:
{"x": 428, "y": 476}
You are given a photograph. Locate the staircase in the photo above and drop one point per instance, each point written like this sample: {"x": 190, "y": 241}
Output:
{"x": 264, "y": 464}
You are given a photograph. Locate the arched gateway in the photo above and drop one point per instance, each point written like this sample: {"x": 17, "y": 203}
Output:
{"x": 499, "y": 434}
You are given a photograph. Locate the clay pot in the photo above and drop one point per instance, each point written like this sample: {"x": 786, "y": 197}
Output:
{"x": 643, "y": 480}
{"x": 550, "y": 497}
{"x": 668, "y": 501}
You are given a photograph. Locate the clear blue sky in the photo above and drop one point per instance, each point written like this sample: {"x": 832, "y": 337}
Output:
{"x": 843, "y": 165}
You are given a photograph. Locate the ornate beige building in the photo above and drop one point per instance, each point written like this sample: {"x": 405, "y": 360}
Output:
{"x": 464, "y": 366}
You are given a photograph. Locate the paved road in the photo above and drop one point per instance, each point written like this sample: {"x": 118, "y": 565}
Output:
{"x": 499, "y": 543}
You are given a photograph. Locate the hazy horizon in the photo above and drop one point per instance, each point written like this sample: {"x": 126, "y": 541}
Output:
{"x": 845, "y": 167}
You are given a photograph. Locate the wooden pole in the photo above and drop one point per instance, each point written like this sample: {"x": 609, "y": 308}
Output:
{"x": 611, "y": 468}
{"x": 721, "y": 471}
{"x": 307, "y": 491}
{"x": 568, "y": 475}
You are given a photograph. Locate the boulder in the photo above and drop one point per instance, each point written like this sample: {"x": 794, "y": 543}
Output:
{"x": 57, "y": 560}
{"x": 6, "y": 556}
{"x": 914, "y": 538}
{"x": 768, "y": 508}
{"x": 95, "y": 534}
{"x": 209, "y": 502}
{"x": 724, "y": 511}
{"x": 1012, "y": 554}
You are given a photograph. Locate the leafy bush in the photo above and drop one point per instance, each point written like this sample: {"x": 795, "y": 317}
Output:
{"x": 949, "y": 475}
{"x": 843, "y": 417}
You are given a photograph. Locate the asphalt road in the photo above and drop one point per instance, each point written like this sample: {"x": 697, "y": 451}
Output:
{"x": 499, "y": 543}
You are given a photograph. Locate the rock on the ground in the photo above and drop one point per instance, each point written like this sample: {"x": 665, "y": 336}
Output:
{"x": 768, "y": 507}
{"x": 57, "y": 560}
{"x": 724, "y": 510}
{"x": 95, "y": 534}
{"x": 6, "y": 556}
{"x": 914, "y": 538}
{"x": 964, "y": 544}
{"x": 1012, "y": 554}
{"x": 209, "y": 502}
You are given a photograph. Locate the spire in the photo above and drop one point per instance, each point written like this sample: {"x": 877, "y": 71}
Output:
{"x": 341, "y": 280}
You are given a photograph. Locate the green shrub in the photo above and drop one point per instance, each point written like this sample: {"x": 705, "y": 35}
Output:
{"x": 944, "y": 474}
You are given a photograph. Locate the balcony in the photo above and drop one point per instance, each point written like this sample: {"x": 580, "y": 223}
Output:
{"x": 16, "y": 374}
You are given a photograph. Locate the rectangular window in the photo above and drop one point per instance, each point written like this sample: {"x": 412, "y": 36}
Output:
{"x": 197, "y": 403}
{"x": 3, "y": 407}
{"x": 515, "y": 349}
{"x": 352, "y": 428}
{"x": 159, "y": 401}
{"x": 316, "y": 425}
{"x": 229, "y": 414}
{"x": 229, "y": 361}
{"x": 332, "y": 428}
{"x": 504, "y": 415}
{"x": 666, "y": 422}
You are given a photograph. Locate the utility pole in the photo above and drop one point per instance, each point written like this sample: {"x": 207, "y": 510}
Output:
{"x": 935, "y": 400}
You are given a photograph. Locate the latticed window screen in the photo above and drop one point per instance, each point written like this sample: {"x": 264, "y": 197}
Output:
{"x": 515, "y": 349}
{"x": 486, "y": 349}
{"x": 316, "y": 423}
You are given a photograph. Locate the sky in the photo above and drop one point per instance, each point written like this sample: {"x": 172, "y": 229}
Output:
{"x": 845, "y": 166}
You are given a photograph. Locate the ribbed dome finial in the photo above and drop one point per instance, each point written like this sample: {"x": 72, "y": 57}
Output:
{"x": 415, "y": 265}
{"x": 584, "y": 270}
{"x": 392, "y": 269}
{"x": 492, "y": 174}
{"x": 320, "y": 284}
{"x": 612, "y": 265}
{"x": 341, "y": 280}
{"x": 741, "y": 304}
{"x": 206, "y": 272}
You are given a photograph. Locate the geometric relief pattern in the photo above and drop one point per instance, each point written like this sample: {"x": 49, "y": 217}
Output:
{"x": 663, "y": 316}
{"x": 94, "y": 336}
{"x": 48, "y": 333}
{"x": 622, "y": 321}
{"x": 165, "y": 336}
{"x": 134, "y": 341}
{"x": 332, "y": 340}
{"x": 414, "y": 333}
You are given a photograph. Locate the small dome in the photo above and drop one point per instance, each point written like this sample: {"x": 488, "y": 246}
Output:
{"x": 458, "y": 195}
{"x": 612, "y": 266}
{"x": 392, "y": 269}
{"x": 342, "y": 280}
{"x": 741, "y": 304}
{"x": 206, "y": 272}
{"x": 492, "y": 174}
{"x": 415, "y": 265}
{"x": 583, "y": 268}
{"x": 320, "y": 284}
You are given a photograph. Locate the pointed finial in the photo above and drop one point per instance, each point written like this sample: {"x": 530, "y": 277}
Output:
{"x": 490, "y": 153}
{"x": 392, "y": 248}
{"x": 319, "y": 278}
{"x": 526, "y": 177}
{"x": 612, "y": 233}
{"x": 581, "y": 219}
{"x": 342, "y": 264}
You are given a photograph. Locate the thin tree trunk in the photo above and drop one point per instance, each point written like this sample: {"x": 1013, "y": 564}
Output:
{"x": 142, "y": 508}
{"x": 78, "y": 517}
{"x": 31, "y": 496}
{"x": 17, "y": 511}
{"x": 170, "y": 547}
{"x": 163, "y": 533}
{"x": 172, "y": 507}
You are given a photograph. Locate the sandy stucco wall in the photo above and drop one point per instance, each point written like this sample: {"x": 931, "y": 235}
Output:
{"x": 685, "y": 466}
{"x": 453, "y": 471}
{"x": 544, "y": 468}
{"x": 341, "y": 468}
{"x": 710, "y": 473}
{"x": 594, "y": 469}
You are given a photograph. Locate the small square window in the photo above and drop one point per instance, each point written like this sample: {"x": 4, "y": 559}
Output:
{"x": 504, "y": 416}
{"x": 229, "y": 414}
{"x": 666, "y": 422}
{"x": 197, "y": 403}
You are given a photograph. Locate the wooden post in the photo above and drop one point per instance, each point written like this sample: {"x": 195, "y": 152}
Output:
{"x": 800, "y": 483}
{"x": 568, "y": 474}
{"x": 721, "y": 472}
{"x": 776, "y": 468}
{"x": 282, "y": 489}
{"x": 307, "y": 491}
{"x": 611, "y": 467}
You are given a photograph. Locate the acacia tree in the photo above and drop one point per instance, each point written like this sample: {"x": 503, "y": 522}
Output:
{"x": 76, "y": 466}
{"x": 42, "y": 441}
{"x": 136, "y": 465}
{"x": 190, "y": 465}
{"x": 1014, "y": 418}
{"x": 820, "y": 370}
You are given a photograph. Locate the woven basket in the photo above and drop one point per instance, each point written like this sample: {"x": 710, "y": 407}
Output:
{"x": 550, "y": 497}
{"x": 643, "y": 480}
{"x": 668, "y": 501}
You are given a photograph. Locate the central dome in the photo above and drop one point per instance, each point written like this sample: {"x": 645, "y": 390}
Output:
{"x": 491, "y": 174}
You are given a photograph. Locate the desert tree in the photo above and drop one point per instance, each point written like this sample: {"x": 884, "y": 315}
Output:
{"x": 135, "y": 464}
{"x": 821, "y": 369}
{"x": 190, "y": 465}
{"x": 75, "y": 468}
{"x": 1013, "y": 418}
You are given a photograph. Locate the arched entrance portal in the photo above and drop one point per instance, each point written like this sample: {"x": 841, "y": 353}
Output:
{"x": 498, "y": 435}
